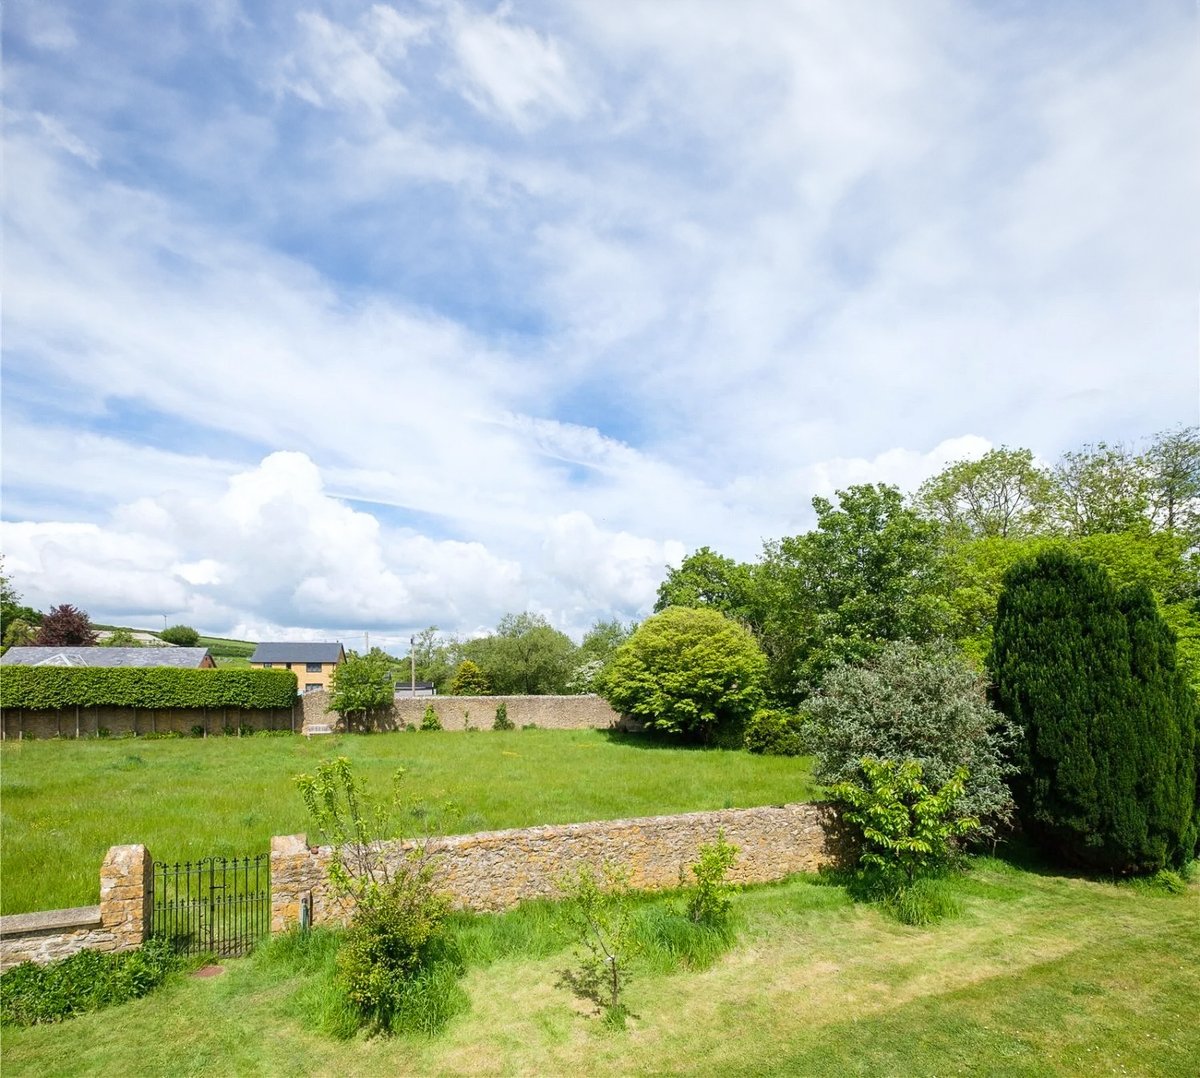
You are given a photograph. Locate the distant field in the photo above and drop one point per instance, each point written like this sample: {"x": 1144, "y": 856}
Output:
{"x": 222, "y": 648}
{"x": 65, "y": 802}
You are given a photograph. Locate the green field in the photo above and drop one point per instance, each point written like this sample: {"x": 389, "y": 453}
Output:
{"x": 65, "y": 802}
{"x": 1040, "y": 975}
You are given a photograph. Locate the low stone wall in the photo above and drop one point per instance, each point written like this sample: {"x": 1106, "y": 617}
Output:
{"x": 548, "y": 712}
{"x": 119, "y": 923}
{"x": 90, "y": 721}
{"x": 495, "y": 870}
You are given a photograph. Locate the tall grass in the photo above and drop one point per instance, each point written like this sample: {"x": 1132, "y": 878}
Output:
{"x": 65, "y": 802}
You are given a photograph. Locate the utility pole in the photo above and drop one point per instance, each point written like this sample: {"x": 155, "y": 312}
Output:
{"x": 366, "y": 643}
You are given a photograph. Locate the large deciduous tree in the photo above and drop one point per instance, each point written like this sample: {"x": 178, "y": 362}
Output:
{"x": 706, "y": 578}
{"x": 1173, "y": 471}
{"x": 1002, "y": 495}
{"x": 1101, "y": 488}
{"x": 1108, "y": 764}
{"x": 688, "y": 671}
{"x": 870, "y": 572}
{"x": 524, "y": 656}
{"x": 65, "y": 626}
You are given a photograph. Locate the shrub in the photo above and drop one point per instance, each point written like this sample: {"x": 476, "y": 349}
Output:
{"x": 921, "y": 703}
{"x": 503, "y": 722}
{"x": 53, "y": 687}
{"x": 687, "y": 671}
{"x": 469, "y": 680}
{"x": 430, "y": 720}
{"x": 183, "y": 636}
{"x": 1108, "y": 769}
{"x": 197, "y": 730}
{"x": 360, "y": 686}
{"x": 776, "y": 733}
{"x": 392, "y": 966}
{"x": 710, "y": 903}
{"x": 65, "y": 626}
{"x": 89, "y": 980}
{"x": 906, "y": 829}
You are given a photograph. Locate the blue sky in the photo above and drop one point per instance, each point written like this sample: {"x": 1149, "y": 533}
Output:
{"x": 340, "y": 316}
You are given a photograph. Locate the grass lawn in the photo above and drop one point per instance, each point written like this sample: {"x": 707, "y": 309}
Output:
{"x": 1040, "y": 975}
{"x": 65, "y": 802}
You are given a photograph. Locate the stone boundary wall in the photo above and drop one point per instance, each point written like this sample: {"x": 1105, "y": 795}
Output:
{"x": 548, "y": 712}
{"x": 119, "y": 923}
{"x": 17, "y": 723}
{"x": 495, "y": 870}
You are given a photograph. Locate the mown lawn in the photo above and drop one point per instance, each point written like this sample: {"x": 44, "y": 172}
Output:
{"x": 65, "y": 802}
{"x": 1040, "y": 975}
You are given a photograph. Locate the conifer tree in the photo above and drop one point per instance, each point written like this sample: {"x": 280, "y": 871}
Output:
{"x": 1108, "y": 763}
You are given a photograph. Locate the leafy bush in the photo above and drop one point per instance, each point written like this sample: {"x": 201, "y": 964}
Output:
{"x": 183, "y": 636}
{"x": 503, "y": 722}
{"x": 430, "y": 720}
{"x": 921, "y": 703}
{"x": 360, "y": 686}
{"x": 710, "y": 903}
{"x": 1109, "y": 766}
{"x": 469, "y": 680}
{"x": 393, "y": 965}
{"x": 906, "y": 829}
{"x": 776, "y": 733}
{"x": 687, "y": 671}
{"x": 52, "y": 687}
{"x": 31, "y": 994}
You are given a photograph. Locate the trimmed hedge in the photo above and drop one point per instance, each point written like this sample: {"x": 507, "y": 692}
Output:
{"x": 49, "y": 688}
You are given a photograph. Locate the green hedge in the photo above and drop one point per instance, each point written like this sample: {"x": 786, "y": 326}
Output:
{"x": 52, "y": 687}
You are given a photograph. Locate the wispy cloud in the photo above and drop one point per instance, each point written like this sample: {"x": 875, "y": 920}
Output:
{"x": 535, "y": 298}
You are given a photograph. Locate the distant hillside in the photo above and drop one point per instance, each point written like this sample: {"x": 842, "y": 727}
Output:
{"x": 221, "y": 647}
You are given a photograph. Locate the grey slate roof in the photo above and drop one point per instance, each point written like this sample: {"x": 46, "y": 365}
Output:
{"x": 189, "y": 658}
{"x": 298, "y": 652}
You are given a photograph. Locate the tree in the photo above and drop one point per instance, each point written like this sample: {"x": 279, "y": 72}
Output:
{"x": 524, "y": 656}
{"x": 706, "y": 578}
{"x": 870, "y": 572}
{"x": 361, "y": 685}
{"x": 65, "y": 626}
{"x": 121, "y": 638}
{"x": 688, "y": 671}
{"x": 1108, "y": 765}
{"x": 1002, "y": 495}
{"x": 17, "y": 621}
{"x": 183, "y": 636}
{"x": 922, "y": 704}
{"x": 1101, "y": 488}
{"x": 469, "y": 680}
{"x": 600, "y": 644}
{"x": 436, "y": 657}
{"x": 1173, "y": 469}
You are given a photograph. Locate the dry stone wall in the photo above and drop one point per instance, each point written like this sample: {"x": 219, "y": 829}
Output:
{"x": 548, "y": 712}
{"x": 495, "y": 870}
{"x": 119, "y": 923}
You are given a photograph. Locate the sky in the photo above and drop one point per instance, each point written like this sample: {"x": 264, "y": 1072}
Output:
{"x": 332, "y": 317}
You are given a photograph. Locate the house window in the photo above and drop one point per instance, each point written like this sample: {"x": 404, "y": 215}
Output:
{"x": 288, "y": 665}
{"x": 313, "y": 686}
{"x": 267, "y": 666}
{"x": 312, "y": 668}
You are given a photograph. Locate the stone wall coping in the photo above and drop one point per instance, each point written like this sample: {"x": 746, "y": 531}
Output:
{"x": 46, "y": 920}
{"x": 555, "y": 830}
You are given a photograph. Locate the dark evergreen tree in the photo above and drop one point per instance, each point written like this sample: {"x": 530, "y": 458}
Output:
{"x": 1108, "y": 764}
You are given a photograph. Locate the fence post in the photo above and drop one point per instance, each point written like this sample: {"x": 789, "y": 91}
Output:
{"x": 127, "y": 895}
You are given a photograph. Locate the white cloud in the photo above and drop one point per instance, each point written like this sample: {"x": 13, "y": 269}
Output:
{"x": 513, "y": 71}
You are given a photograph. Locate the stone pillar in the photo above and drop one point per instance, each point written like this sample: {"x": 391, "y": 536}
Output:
{"x": 127, "y": 895}
{"x": 295, "y": 871}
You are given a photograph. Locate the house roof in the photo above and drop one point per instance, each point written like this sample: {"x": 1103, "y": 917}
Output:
{"x": 189, "y": 658}
{"x": 298, "y": 652}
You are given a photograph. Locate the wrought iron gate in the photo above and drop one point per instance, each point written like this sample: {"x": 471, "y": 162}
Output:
{"x": 217, "y": 905}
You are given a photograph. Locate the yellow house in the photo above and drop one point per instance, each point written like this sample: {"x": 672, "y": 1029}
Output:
{"x": 313, "y": 664}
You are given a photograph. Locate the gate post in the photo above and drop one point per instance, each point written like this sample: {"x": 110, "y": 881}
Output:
{"x": 127, "y": 895}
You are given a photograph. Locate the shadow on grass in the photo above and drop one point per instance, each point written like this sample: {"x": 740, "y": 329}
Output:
{"x": 656, "y": 739}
